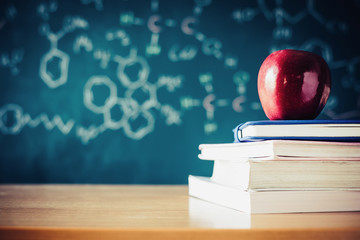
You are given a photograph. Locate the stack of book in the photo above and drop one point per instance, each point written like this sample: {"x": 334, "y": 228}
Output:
{"x": 284, "y": 167}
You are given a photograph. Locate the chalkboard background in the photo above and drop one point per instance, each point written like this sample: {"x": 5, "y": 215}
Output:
{"x": 96, "y": 91}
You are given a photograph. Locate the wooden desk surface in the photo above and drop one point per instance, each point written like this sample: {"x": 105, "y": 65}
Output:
{"x": 150, "y": 212}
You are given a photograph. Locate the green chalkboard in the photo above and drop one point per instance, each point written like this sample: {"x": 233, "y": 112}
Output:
{"x": 96, "y": 91}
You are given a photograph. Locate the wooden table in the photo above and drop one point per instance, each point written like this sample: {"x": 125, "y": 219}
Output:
{"x": 150, "y": 212}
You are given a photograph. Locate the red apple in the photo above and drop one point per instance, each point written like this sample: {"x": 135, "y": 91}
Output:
{"x": 293, "y": 84}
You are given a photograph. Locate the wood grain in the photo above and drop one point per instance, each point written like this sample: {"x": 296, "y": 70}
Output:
{"x": 150, "y": 212}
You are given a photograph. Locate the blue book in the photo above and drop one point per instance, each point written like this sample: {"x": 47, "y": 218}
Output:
{"x": 317, "y": 130}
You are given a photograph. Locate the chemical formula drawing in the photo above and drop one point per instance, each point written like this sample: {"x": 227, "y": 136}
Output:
{"x": 108, "y": 91}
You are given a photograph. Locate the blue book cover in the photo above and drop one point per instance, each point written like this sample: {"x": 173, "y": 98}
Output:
{"x": 328, "y": 133}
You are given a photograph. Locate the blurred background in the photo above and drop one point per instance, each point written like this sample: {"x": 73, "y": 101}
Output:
{"x": 100, "y": 91}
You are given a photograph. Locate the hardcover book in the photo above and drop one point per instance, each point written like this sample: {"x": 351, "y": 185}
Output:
{"x": 288, "y": 175}
{"x": 281, "y": 149}
{"x": 320, "y": 130}
{"x": 273, "y": 201}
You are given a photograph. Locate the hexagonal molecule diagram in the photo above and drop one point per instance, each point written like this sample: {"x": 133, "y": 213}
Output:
{"x": 129, "y": 113}
{"x": 54, "y": 54}
{"x": 133, "y": 110}
{"x": 89, "y": 96}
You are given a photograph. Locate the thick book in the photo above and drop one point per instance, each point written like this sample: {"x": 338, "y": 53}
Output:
{"x": 288, "y": 175}
{"x": 281, "y": 149}
{"x": 320, "y": 130}
{"x": 204, "y": 214}
{"x": 273, "y": 201}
